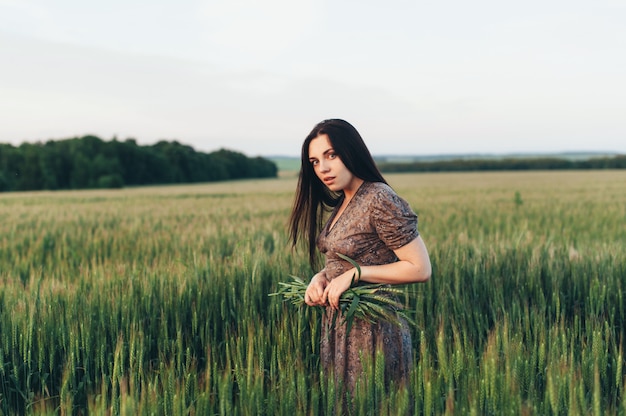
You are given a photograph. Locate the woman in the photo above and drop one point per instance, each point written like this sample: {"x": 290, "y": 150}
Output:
{"x": 370, "y": 224}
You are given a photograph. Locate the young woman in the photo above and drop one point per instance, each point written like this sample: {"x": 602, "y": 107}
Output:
{"x": 370, "y": 224}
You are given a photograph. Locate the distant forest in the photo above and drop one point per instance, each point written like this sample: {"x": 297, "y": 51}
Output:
{"x": 90, "y": 162}
{"x": 531, "y": 163}
{"x": 471, "y": 163}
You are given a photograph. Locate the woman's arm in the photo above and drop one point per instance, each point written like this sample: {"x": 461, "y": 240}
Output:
{"x": 413, "y": 266}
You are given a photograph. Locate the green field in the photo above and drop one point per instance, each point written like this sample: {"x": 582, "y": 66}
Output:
{"x": 155, "y": 300}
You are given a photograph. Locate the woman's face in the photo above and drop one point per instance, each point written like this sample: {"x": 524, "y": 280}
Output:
{"x": 328, "y": 166}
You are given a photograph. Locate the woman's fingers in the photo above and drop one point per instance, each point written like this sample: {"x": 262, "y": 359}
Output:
{"x": 331, "y": 297}
{"x": 335, "y": 288}
{"x": 319, "y": 292}
{"x": 314, "y": 295}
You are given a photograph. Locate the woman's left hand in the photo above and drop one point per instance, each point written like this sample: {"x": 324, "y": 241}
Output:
{"x": 335, "y": 288}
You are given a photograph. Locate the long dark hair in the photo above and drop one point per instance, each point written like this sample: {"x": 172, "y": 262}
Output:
{"x": 313, "y": 198}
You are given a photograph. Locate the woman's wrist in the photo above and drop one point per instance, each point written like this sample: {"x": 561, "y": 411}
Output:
{"x": 354, "y": 276}
{"x": 321, "y": 275}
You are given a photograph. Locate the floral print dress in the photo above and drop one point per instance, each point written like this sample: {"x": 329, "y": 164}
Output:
{"x": 375, "y": 222}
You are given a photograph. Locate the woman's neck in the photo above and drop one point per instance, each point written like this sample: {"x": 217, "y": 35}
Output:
{"x": 352, "y": 188}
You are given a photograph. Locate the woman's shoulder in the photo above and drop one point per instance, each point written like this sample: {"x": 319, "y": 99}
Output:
{"x": 381, "y": 197}
{"x": 378, "y": 190}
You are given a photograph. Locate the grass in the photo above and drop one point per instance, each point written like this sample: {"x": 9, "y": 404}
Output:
{"x": 154, "y": 300}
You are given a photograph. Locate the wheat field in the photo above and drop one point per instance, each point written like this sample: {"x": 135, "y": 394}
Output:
{"x": 155, "y": 300}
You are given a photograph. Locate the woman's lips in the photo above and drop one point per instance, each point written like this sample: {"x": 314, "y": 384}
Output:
{"x": 329, "y": 179}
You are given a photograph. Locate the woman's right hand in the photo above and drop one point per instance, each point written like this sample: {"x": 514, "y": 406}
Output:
{"x": 315, "y": 290}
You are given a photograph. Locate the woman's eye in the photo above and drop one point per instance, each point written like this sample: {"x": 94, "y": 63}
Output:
{"x": 314, "y": 162}
{"x": 332, "y": 155}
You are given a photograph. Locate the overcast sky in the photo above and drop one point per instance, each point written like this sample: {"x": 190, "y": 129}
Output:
{"x": 414, "y": 77}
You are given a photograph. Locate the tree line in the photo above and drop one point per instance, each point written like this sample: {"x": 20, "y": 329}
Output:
{"x": 90, "y": 162}
{"x": 469, "y": 165}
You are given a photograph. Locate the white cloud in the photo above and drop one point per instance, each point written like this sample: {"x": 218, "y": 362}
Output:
{"x": 31, "y": 19}
{"x": 262, "y": 29}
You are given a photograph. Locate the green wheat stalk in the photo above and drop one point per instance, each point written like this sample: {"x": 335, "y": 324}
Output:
{"x": 370, "y": 302}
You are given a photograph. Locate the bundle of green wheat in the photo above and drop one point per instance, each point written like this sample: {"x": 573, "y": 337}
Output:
{"x": 370, "y": 301}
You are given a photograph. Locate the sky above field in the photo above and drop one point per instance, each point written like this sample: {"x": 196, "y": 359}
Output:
{"x": 414, "y": 77}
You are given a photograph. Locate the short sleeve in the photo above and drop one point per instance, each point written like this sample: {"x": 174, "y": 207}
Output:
{"x": 393, "y": 219}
